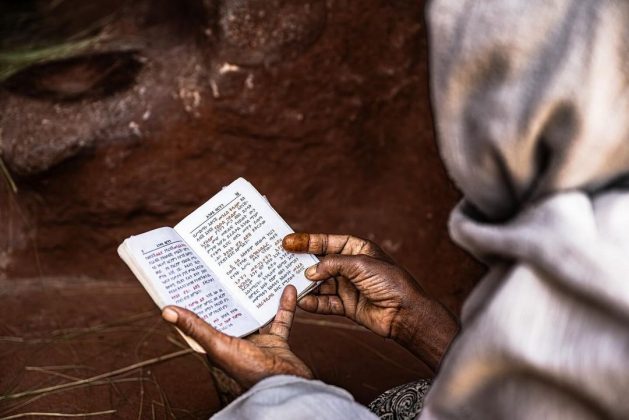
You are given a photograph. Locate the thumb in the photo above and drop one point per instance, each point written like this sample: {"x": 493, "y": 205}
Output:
{"x": 218, "y": 346}
{"x": 284, "y": 318}
{"x": 352, "y": 267}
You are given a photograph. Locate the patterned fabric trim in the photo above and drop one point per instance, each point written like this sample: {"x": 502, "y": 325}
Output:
{"x": 403, "y": 402}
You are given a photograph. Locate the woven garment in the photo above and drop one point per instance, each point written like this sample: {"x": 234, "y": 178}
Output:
{"x": 403, "y": 402}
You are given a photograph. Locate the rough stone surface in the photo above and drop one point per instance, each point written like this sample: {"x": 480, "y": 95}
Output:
{"x": 258, "y": 32}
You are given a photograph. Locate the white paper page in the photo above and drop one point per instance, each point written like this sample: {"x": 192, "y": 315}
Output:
{"x": 239, "y": 235}
{"x": 180, "y": 278}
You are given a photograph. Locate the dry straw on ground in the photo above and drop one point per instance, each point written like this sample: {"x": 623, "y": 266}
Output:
{"x": 12, "y": 402}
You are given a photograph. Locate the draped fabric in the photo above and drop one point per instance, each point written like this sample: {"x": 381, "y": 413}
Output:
{"x": 546, "y": 334}
{"x": 531, "y": 100}
{"x": 531, "y": 97}
{"x": 532, "y": 113}
{"x": 289, "y": 397}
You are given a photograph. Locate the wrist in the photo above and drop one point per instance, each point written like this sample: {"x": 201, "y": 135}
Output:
{"x": 426, "y": 329}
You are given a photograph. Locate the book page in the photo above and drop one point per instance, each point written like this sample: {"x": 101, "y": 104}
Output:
{"x": 239, "y": 235}
{"x": 178, "y": 277}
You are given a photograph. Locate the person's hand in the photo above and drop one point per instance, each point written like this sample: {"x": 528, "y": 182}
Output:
{"x": 360, "y": 282}
{"x": 363, "y": 283}
{"x": 248, "y": 360}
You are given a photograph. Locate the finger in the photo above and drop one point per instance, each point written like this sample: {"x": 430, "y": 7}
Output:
{"x": 323, "y": 244}
{"x": 284, "y": 318}
{"x": 315, "y": 291}
{"x": 355, "y": 268}
{"x": 348, "y": 293}
{"x": 328, "y": 287}
{"x": 219, "y": 346}
{"x": 324, "y": 305}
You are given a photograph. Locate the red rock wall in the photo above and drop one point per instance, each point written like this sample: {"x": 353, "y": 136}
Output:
{"x": 324, "y": 107}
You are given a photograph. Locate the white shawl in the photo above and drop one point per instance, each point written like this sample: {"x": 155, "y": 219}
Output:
{"x": 532, "y": 101}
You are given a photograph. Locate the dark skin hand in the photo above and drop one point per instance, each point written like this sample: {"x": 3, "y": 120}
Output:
{"x": 363, "y": 283}
{"x": 249, "y": 360}
{"x": 360, "y": 282}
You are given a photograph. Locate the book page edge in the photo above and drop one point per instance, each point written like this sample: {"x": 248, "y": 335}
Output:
{"x": 145, "y": 281}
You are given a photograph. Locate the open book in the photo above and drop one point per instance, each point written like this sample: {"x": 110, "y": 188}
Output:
{"x": 224, "y": 261}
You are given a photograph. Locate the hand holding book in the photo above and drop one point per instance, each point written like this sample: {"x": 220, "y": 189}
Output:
{"x": 224, "y": 262}
{"x": 361, "y": 282}
{"x": 220, "y": 273}
{"x": 248, "y": 360}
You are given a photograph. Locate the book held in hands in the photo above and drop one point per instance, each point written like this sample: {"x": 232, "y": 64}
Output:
{"x": 224, "y": 261}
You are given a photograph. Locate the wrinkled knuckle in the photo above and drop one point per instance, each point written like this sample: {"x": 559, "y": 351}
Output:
{"x": 335, "y": 259}
{"x": 318, "y": 243}
{"x": 287, "y": 312}
{"x": 282, "y": 331}
{"x": 326, "y": 262}
{"x": 362, "y": 261}
{"x": 336, "y": 306}
{"x": 324, "y": 243}
{"x": 282, "y": 323}
{"x": 317, "y": 304}
{"x": 326, "y": 259}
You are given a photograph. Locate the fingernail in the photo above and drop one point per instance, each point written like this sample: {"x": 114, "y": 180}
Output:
{"x": 311, "y": 271}
{"x": 296, "y": 242}
{"x": 170, "y": 315}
